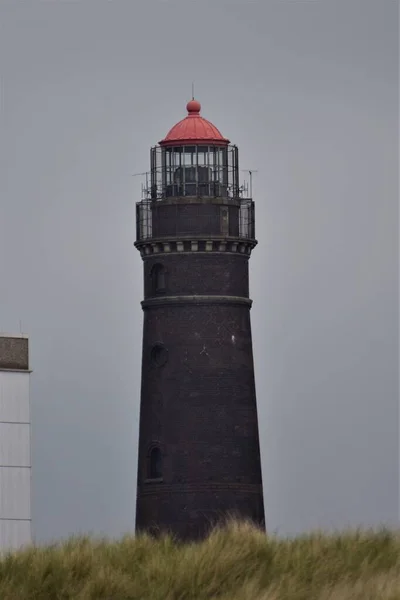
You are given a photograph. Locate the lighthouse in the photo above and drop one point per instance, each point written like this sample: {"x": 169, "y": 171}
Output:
{"x": 199, "y": 454}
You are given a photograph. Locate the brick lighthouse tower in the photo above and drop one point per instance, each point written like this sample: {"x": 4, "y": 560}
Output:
{"x": 199, "y": 455}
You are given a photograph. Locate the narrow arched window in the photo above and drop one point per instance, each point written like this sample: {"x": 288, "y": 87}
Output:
{"x": 155, "y": 463}
{"x": 158, "y": 279}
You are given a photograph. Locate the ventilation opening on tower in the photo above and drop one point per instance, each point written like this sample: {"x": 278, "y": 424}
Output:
{"x": 155, "y": 464}
{"x": 158, "y": 279}
{"x": 158, "y": 355}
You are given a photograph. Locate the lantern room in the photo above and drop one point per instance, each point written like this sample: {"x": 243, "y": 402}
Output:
{"x": 194, "y": 159}
{"x": 192, "y": 189}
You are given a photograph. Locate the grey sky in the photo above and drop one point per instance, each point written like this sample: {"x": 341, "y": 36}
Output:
{"x": 309, "y": 92}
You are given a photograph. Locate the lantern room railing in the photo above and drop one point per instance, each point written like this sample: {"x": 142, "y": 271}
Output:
{"x": 201, "y": 171}
{"x": 192, "y": 221}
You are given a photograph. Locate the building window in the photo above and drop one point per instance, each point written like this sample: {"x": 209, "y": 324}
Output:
{"x": 159, "y": 355}
{"x": 158, "y": 279}
{"x": 155, "y": 463}
{"x": 224, "y": 220}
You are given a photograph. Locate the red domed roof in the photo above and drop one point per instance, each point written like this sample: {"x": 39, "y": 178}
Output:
{"x": 194, "y": 129}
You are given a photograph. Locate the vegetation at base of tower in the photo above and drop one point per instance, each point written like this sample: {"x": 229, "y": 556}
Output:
{"x": 236, "y": 562}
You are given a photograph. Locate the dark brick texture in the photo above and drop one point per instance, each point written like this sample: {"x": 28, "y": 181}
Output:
{"x": 200, "y": 273}
{"x": 198, "y": 400}
{"x": 184, "y": 219}
{"x": 200, "y": 405}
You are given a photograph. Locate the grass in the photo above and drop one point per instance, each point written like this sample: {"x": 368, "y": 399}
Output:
{"x": 236, "y": 562}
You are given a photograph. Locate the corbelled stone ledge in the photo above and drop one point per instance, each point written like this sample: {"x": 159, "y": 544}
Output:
{"x": 210, "y": 299}
{"x": 159, "y": 246}
{"x": 154, "y": 488}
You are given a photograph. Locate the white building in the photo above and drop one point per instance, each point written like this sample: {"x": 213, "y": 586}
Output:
{"x": 15, "y": 452}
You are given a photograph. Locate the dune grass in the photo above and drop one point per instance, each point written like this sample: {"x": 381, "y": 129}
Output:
{"x": 236, "y": 562}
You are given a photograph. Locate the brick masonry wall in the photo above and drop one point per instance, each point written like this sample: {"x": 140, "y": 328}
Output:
{"x": 184, "y": 219}
{"x": 200, "y": 273}
{"x": 198, "y": 402}
{"x": 200, "y": 406}
{"x": 197, "y": 509}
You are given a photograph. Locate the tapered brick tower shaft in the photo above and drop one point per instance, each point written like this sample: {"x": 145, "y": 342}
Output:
{"x": 199, "y": 455}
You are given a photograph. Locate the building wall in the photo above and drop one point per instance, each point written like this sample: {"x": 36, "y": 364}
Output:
{"x": 199, "y": 273}
{"x": 192, "y": 219}
{"x": 198, "y": 399}
{"x": 15, "y": 455}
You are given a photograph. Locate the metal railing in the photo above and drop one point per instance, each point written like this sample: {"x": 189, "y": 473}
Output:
{"x": 150, "y": 223}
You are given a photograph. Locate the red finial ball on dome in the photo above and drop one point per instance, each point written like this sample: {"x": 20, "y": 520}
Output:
{"x": 193, "y": 107}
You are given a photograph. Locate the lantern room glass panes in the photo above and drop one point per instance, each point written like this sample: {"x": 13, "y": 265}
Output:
{"x": 197, "y": 171}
